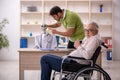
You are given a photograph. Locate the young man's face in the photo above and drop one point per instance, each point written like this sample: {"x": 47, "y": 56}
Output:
{"x": 57, "y": 17}
{"x": 90, "y": 31}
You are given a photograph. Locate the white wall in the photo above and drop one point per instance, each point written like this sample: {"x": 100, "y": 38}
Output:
{"x": 10, "y": 9}
{"x": 116, "y": 30}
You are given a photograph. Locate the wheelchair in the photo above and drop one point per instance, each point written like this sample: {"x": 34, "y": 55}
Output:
{"x": 76, "y": 71}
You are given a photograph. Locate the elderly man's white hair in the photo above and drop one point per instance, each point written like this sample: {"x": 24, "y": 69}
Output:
{"x": 95, "y": 25}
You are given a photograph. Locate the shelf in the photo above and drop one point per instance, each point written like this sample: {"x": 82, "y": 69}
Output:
{"x": 88, "y": 10}
{"x": 105, "y": 32}
{"x": 104, "y": 36}
{"x": 107, "y": 25}
{"x": 103, "y": 13}
{"x": 28, "y": 36}
{"x": 31, "y": 0}
{"x": 83, "y": 13}
{"x": 31, "y": 12}
{"x": 79, "y": 0}
{"x": 101, "y": 1}
{"x": 54, "y": 0}
{"x": 31, "y": 25}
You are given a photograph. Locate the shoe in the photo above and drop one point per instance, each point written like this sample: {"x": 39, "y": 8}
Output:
{"x": 64, "y": 78}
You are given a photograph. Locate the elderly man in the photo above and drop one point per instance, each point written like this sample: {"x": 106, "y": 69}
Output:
{"x": 85, "y": 49}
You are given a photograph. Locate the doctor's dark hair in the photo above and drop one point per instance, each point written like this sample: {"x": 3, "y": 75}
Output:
{"x": 55, "y": 10}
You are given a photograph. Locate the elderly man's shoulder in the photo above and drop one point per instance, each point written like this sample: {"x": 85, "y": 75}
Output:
{"x": 95, "y": 37}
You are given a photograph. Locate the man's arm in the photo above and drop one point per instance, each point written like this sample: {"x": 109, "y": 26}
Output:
{"x": 67, "y": 33}
{"x": 55, "y": 25}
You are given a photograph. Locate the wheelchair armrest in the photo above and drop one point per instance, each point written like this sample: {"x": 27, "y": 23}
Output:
{"x": 76, "y": 57}
{"x": 82, "y": 59}
{"x": 79, "y": 58}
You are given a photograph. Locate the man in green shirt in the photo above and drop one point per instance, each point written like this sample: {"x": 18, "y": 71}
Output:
{"x": 71, "y": 22}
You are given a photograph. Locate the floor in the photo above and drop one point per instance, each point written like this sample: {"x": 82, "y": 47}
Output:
{"x": 9, "y": 70}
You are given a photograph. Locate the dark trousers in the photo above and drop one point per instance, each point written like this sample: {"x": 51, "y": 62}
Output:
{"x": 70, "y": 44}
{"x": 50, "y": 62}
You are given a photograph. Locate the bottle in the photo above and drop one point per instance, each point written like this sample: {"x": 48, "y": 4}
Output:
{"x": 101, "y": 8}
{"x": 36, "y": 22}
{"x": 109, "y": 55}
{"x": 30, "y": 34}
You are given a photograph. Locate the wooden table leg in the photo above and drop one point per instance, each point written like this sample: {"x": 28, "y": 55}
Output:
{"x": 99, "y": 62}
{"x": 21, "y": 74}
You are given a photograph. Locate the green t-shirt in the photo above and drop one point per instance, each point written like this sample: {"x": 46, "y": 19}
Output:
{"x": 72, "y": 20}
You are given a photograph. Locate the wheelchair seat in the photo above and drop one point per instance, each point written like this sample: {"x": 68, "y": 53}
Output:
{"x": 74, "y": 66}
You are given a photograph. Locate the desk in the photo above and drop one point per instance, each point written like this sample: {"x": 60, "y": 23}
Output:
{"x": 29, "y": 59}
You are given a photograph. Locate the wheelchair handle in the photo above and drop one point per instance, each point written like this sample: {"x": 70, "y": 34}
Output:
{"x": 103, "y": 44}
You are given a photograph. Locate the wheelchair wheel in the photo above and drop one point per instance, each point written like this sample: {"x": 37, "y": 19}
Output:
{"x": 91, "y": 73}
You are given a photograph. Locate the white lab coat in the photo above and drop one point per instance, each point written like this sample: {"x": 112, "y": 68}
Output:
{"x": 45, "y": 41}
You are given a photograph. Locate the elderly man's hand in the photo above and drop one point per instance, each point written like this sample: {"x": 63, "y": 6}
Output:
{"x": 76, "y": 43}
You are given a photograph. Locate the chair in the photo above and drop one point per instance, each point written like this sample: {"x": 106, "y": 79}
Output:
{"x": 74, "y": 70}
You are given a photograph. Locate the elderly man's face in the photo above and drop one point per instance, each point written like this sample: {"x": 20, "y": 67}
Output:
{"x": 90, "y": 31}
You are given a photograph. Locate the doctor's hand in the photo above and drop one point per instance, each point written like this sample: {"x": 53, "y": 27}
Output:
{"x": 76, "y": 44}
{"x": 54, "y": 31}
